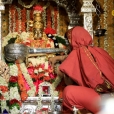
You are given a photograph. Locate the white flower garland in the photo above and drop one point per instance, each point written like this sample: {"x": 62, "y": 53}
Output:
{"x": 14, "y": 93}
{"x": 4, "y": 105}
{"x": 4, "y": 71}
{"x": 14, "y": 110}
{"x": 44, "y": 18}
{"x": 3, "y": 82}
{"x": 28, "y": 19}
{"x": 8, "y": 37}
{"x": 14, "y": 22}
{"x": 56, "y": 82}
{"x": 6, "y": 94}
{"x": 13, "y": 70}
{"x": 23, "y": 36}
{"x": 10, "y": 21}
{"x": 105, "y": 6}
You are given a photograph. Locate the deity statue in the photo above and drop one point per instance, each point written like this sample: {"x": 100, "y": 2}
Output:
{"x": 39, "y": 36}
{"x": 37, "y": 24}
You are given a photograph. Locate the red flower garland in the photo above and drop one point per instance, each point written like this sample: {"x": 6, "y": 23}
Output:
{"x": 38, "y": 8}
{"x": 49, "y": 30}
{"x": 14, "y": 101}
{"x": 21, "y": 83}
{"x": 13, "y": 79}
{"x": 12, "y": 10}
{"x": 3, "y": 89}
{"x": 16, "y": 21}
{"x": 55, "y": 18}
{"x": 49, "y": 17}
{"x": 23, "y": 16}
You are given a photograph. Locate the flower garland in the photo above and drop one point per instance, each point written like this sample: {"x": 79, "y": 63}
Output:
{"x": 44, "y": 18}
{"x": 10, "y": 25}
{"x": 23, "y": 19}
{"x": 8, "y": 37}
{"x": 62, "y": 42}
{"x": 28, "y": 18}
{"x": 42, "y": 71}
{"x": 4, "y": 92}
{"x": 23, "y": 36}
{"x": 49, "y": 30}
{"x": 19, "y": 19}
{"x": 106, "y": 10}
{"x": 15, "y": 99}
{"x": 48, "y": 17}
{"x": 28, "y": 79}
{"x": 55, "y": 18}
{"x": 12, "y": 18}
{"x": 58, "y": 21}
{"x": 16, "y": 20}
{"x": 38, "y": 9}
{"x": 54, "y": 14}
{"x": 52, "y": 17}
{"x": 21, "y": 82}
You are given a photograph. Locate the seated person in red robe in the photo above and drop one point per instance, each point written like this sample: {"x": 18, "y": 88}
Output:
{"x": 90, "y": 67}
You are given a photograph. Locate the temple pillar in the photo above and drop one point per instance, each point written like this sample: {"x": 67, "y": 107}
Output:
{"x": 87, "y": 9}
{"x": 2, "y": 8}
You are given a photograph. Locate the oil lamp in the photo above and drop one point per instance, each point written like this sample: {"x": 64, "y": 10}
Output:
{"x": 99, "y": 31}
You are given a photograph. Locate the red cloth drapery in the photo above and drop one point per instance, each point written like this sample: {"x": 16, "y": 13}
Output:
{"x": 87, "y": 65}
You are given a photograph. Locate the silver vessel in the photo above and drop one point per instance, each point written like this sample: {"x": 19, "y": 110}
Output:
{"x": 18, "y": 52}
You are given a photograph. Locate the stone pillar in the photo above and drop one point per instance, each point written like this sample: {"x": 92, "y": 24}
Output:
{"x": 87, "y": 9}
{"x": 2, "y": 8}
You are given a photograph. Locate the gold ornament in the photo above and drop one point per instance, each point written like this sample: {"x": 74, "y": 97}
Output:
{"x": 112, "y": 12}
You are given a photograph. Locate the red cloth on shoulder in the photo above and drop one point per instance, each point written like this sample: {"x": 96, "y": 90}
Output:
{"x": 87, "y": 65}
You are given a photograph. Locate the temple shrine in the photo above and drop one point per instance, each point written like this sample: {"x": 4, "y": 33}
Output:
{"x": 31, "y": 33}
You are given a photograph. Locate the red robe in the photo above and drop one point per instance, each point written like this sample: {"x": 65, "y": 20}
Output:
{"x": 87, "y": 65}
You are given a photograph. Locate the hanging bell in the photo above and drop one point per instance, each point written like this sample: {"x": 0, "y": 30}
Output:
{"x": 99, "y": 31}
